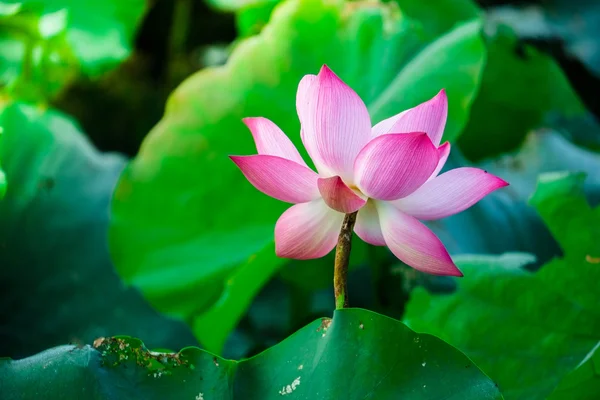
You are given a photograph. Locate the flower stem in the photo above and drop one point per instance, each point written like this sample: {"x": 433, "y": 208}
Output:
{"x": 342, "y": 257}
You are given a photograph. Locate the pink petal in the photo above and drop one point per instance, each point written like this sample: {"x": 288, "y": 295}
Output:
{"x": 339, "y": 196}
{"x": 429, "y": 117}
{"x": 384, "y": 127}
{"x": 367, "y": 225}
{"x": 443, "y": 153}
{"x": 449, "y": 193}
{"x": 307, "y": 230}
{"x": 393, "y": 166}
{"x": 271, "y": 141}
{"x": 413, "y": 243}
{"x": 335, "y": 123}
{"x": 280, "y": 178}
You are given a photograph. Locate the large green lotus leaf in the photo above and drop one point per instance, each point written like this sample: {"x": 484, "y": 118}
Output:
{"x": 185, "y": 220}
{"x": 44, "y": 43}
{"x": 357, "y": 355}
{"x": 519, "y": 88}
{"x": 527, "y": 330}
{"x": 58, "y": 283}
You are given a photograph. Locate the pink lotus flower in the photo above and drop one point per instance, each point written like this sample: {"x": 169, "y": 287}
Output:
{"x": 388, "y": 173}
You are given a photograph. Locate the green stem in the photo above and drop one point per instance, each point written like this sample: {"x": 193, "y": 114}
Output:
{"x": 342, "y": 258}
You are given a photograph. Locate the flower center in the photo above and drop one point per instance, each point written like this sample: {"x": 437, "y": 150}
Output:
{"x": 356, "y": 190}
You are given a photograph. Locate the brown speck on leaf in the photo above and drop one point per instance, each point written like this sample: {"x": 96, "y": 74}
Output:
{"x": 592, "y": 260}
{"x": 325, "y": 322}
{"x": 98, "y": 342}
{"x": 118, "y": 351}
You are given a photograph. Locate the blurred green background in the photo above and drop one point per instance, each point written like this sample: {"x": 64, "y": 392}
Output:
{"x": 124, "y": 216}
